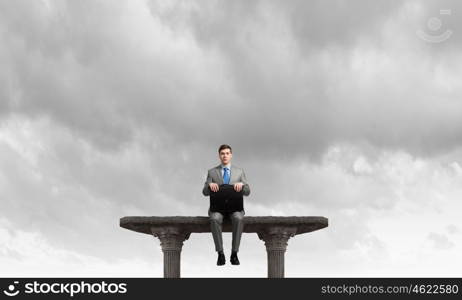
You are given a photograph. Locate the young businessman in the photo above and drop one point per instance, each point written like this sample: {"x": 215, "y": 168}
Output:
{"x": 225, "y": 173}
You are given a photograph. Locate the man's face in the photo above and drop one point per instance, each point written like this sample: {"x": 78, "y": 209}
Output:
{"x": 225, "y": 156}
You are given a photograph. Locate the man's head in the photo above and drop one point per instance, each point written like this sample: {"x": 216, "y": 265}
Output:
{"x": 225, "y": 153}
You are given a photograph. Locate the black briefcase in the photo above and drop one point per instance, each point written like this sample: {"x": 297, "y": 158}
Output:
{"x": 226, "y": 200}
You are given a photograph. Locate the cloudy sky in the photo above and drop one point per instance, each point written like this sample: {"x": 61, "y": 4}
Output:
{"x": 350, "y": 110}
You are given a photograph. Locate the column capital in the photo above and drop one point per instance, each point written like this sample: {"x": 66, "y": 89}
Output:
{"x": 276, "y": 238}
{"x": 171, "y": 237}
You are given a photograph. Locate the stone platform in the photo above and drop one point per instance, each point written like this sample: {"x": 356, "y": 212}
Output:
{"x": 172, "y": 231}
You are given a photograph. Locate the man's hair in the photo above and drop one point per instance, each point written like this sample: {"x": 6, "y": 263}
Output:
{"x": 225, "y": 147}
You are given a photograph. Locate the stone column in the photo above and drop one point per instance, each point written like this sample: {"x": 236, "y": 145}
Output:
{"x": 171, "y": 241}
{"x": 275, "y": 239}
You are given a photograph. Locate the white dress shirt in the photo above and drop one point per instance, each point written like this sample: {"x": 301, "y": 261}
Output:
{"x": 223, "y": 170}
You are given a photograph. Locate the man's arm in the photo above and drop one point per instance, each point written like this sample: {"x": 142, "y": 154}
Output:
{"x": 206, "y": 190}
{"x": 245, "y": 187}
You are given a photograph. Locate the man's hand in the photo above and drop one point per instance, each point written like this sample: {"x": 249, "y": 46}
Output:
{"x": 238, "y": 186}
{"x": 213, "y": 187}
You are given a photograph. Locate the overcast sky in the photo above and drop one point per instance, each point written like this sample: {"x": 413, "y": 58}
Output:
{"x": 350, "y": 110}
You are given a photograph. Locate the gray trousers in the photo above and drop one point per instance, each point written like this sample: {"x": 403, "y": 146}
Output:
{"x": 216, "y": 222}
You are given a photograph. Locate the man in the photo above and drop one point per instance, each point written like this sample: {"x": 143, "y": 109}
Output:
{"x": 225, "y": 173}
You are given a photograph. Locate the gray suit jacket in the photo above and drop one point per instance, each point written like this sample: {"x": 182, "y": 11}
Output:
{"x": 237, "y": 175}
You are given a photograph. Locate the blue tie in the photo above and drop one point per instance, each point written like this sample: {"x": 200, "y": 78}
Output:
{"x": 226, "y": 176}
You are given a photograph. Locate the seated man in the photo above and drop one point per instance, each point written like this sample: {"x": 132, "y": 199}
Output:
{"x": 218, "y": 177}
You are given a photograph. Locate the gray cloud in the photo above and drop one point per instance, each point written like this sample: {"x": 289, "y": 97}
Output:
{"x": 284, "y": 74}
{"x": 440, "y": 241}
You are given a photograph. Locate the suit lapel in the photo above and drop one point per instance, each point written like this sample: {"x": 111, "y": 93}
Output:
{"x": 233, "y": 175}
{"x": 220, "y": 177}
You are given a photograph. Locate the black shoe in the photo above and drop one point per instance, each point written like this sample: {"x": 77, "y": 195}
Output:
{"x": 234, "y": 260}
{"x": 221, "y": 258}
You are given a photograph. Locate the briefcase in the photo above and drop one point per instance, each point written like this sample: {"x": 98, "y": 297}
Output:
{"x": 226, "y": 200}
